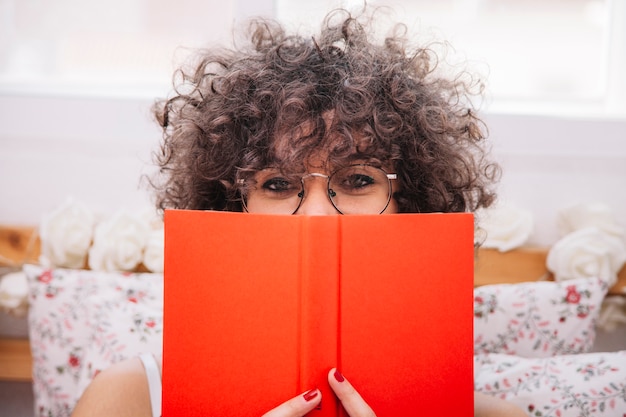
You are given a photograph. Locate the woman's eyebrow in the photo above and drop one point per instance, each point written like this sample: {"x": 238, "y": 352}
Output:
{"x": 361, "y": 159}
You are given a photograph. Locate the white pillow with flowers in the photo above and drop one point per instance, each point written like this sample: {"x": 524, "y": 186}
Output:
{"x": 590, "y": 384}
{"x": 83, "y": 321}
{"x": 537, "y": 319}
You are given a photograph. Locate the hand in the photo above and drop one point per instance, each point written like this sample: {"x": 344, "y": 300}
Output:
{"x": 351, "y": 400}
{"x": 297, "y": 406}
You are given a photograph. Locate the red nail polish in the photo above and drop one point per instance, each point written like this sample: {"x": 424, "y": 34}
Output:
{"x": 309, "y": 395}
{"x": 338, "y": 376}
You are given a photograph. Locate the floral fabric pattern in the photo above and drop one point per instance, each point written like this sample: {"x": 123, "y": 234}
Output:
{"x": 537, "y": 319}
{"x": 591, "y": 384}
{"x": 81, "y": 322}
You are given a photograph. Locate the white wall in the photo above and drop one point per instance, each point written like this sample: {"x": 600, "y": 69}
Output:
{"x": 93, "y": 149}
{"x": 53, "y": 145}
{"x": 552, "y": 162}
{"x": 96, "y": 150}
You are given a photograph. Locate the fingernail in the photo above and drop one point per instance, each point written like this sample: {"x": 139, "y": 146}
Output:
{"x": 338, "y": 376}
{"x": 309, "y": 395}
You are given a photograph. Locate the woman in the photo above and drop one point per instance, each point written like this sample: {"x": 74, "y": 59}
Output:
{"x": 325, "y": 125}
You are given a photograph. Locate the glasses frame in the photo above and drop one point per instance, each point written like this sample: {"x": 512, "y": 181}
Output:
{"x": 329, "y": 191}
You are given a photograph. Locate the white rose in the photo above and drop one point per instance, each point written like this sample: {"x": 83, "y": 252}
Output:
{"x": 66, "y": 235}
{"x": 153, "y": 255}
{"x": 151, "y": 217}
{"x": 506, "y": 227}
{"x": 587, "y": 253}
{"x": 14, "y": 294}
{"x": 119, "y": 243}
{"x": 581, "y": 216}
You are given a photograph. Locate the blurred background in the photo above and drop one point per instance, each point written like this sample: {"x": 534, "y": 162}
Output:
{"x": 77, "y": 79}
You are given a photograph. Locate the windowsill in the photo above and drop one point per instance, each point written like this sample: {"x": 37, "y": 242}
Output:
{"x": 90, "y": 91}
{"x": 572, "y": 109}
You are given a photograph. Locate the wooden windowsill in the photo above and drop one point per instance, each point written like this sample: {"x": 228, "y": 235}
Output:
{"x": 522, "y": 265}
{"x": 20, "y": 244}
{"x": 15, "y": 360}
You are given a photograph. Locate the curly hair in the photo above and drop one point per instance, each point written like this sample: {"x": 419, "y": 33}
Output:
{"x": 239, "y": 109}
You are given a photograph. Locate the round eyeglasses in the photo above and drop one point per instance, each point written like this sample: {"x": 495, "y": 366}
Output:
{"x": 354, "y": 189}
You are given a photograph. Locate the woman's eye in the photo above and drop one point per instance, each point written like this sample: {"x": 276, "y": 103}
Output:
{"x": 356, "y": 181}
{"x": 277, "y": 185}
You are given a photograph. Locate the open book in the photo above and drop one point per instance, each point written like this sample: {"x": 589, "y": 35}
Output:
{"x": 258, "y": 308}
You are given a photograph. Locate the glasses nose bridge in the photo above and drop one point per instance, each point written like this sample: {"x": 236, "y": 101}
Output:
{"x": 313, "y": 175}
{"x": 311, "y": 199}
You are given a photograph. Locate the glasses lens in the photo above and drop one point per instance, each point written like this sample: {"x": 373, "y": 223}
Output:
{"x": 360, "y": 189}
{"x": 270, "y": 191}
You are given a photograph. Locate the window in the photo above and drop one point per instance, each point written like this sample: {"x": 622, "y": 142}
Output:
{"x": 120, "y": 47}
{"x": 544, "y": 55}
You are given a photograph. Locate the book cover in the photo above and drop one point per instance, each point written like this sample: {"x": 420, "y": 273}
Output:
{"x": 258, "y": 309}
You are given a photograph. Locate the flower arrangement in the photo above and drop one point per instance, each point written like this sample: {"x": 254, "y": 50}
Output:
{"x": 592, "y": 244}
{"x": 586, "y": 253}
{"x": 580, "y": 216}
{"x": 72, "y": 236}
{"x": 118, "y": 243}
{"x": 66, "y": 234}
{"x": 505, "y": 227}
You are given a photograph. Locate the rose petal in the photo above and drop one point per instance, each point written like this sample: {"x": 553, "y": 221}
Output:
{"x": 506, "y": 227}
{"x": 66, "y": 234}
{"x": 595, "y": 214}
{"x": 119, "y": 242}
{"x": 586, "y": 253}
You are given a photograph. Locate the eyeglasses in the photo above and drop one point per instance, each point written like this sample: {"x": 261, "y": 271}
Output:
{"x": 354, "y": 189}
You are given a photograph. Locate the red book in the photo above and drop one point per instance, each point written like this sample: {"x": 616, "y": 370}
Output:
{"x": 258, "y": 309}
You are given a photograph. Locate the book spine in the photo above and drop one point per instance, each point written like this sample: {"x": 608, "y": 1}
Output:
{"x": 318, "y": 313}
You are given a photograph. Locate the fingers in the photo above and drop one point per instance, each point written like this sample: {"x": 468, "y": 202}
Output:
{"x": 297, "y": 406}
{"x": 351, "y": 400}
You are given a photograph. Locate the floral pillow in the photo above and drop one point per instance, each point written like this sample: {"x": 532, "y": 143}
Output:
{"x": 590, "y": 384}
{"x": 81, "y": 322}
{"x": 537, "y": 319}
